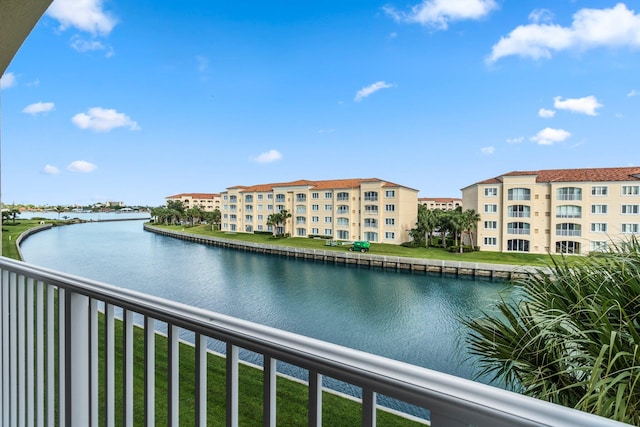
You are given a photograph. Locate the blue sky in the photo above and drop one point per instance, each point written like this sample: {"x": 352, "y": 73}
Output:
{"x": 137, "y": 100}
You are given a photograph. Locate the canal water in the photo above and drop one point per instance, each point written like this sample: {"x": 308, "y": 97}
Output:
{"x": 410, "y": 317}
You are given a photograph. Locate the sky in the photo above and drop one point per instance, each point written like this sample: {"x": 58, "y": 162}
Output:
{"x": 135, "y": 101}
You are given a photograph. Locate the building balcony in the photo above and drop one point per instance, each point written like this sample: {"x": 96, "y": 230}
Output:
{"x": 50, "y": 322}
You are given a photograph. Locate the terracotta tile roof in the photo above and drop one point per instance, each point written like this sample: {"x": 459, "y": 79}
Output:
{"x": 194, "y": 196}
{"x": 331, "y": 184}
{"x": 439, "y": 199}
{"x": 575, "y": 175}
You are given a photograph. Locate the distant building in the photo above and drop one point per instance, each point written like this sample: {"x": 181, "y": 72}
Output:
{"x": 208, "y": 202}
{"x": 114, "y": 204}
{"x": 344, "y": 209}
{"x": 444, "y": 203}
{"x": 574, "y": 211}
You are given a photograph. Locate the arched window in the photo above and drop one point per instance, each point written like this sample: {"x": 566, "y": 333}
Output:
{"x": 568, "y": 211}
{"x": 567, "y": 247}
{"x": 569, "y": 193}
{"x": 568, "y": 229}
{"x": 519, "y": 194}
{"x": 519, "y": 211}
{"x": 518, "y": 245}
{"x": 518, "y": 228}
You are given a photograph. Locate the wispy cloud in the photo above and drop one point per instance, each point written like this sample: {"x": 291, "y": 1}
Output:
{"x": 591, "y": 28}
{"x": 549, "y": 136}
{"x": 487, "y": 150}
{"x": 439, "y": 13}
{"x": 370, "y": 90}
{"x": 268, "y": 157}
{"x": 633, "y": 92}
{"x": 103, "y": 120}
{"x": 39, "y": 107}
{"x": 546, "y": 114}
{"x": 81, "y": 166}
{"x": 50, "y": 170}
{"x": 8, "y": 80}
{"x": 202, "y": 63}
{"x": 82, "y": 45}
{"x": 516, "y": 140}
{"x": 586, "y": 105}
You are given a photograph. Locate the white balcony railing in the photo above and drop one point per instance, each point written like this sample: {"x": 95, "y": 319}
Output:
{"x": 38, "y": 333}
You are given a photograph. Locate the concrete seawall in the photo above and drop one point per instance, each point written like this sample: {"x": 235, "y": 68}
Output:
{"x": 475, "y": 269}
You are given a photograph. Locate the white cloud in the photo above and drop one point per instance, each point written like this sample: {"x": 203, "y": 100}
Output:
{"x": 371, "y": 89}
{"x": 8, "y": 80}
{"x": 591, "y": 28}
{"x": 541, "y": 15}
{"x": 39, "y": 107}
{"x": 268, "y": 157}
{"x": 81, "y": 166}
{"x": 82, "y": 45}
{"x": 203, "y": 63}
{"x": 586, "y": 105}
{"x": 549, "y": 136}
{"x": 84, "y": 15}
{"x": 547, "y": 114}
{"x": 103, "y": 120}
{"x": 517, "y": 140}
{"x": 50, "y": 170}
{"x": 487, "y": 150}
{"x": 633, "y": 92}
{"x": 438, "y": 13}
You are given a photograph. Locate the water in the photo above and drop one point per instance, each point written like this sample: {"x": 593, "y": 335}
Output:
{"x": 414, "y": 318}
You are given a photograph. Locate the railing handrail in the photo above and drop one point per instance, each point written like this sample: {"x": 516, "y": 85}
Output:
{"x": 420, "y": 386}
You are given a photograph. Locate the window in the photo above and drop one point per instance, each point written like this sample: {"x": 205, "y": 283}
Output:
{"x": 598, "y": 209}
{"x": 315, "y": 231}
{"x": 568, "y": 229}
{"x": 518, "y": 228}
{"x": 371, "y": 196}
{"x": 569, "y": 193}
{"x": 301, "y": 232}
{"x": 371, "y": 209}
{"x": 568, "y": 211}
{"x": 343, "y": 209}
{"x": 490, "y": 208}
{"x": 225, "y": 197}
{"x": 260, "y": 196}
{"x": 518, "y": 211}
{"x": 315, "y": 219}
{"x": 301, "y": 220}
{"x": 248, "y": 218}
{"x": 269, "y": 207}
{"x": 328, "y": 195}
{"x": 490, "y": 192}
{"x": 260, "y": 207}
{"x": 248, "y": 199}
{"x": 371, "y": 236}
{"x": 599, "y": 227}
{"x": 280, "y": 198}
{"x": 301, "y": 197}
{"x": 630, "y": 209}
{"x": 599, "y": 190}
{"x": 327, "y": 220}
{"x": 389, "y": 221}
{"x": 260, "y": 217}
{"x": 279, "y": 208}
{"x": 389, "y": 208}
{"x": 342, "y": 221}
{"x": 370, "y": 222}
{"x": 315, "y": 207}
{"x": 343, "y": 234}
{"x": 390, "y": 193}
{"x": 518, "y": 245}
{"x": 300, "y": 209}
{"x": 490, "y": 225}
{"x": 270, "y": 196}
{"x": 342, "y": 196}
{"x": 629, "y": 228}
{"x": 598, "y": 246}
{"x": 389, "y": 235}
{"x": 315, "y": 196}
{"x": 630, "y": 190}
{"x": 567, "y": 247}
{"x": 490, "y": 241}
{"x": 519, "y": 194}
{"x": 328, "y": 232}
{"x": 328, "y": 207}
{"x": 233, "y": 199}
{"x": 260, "y": 228}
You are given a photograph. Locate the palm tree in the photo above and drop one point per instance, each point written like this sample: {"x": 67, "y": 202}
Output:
{"x": 574, "y": 338}
{"x": 469, "y": 221}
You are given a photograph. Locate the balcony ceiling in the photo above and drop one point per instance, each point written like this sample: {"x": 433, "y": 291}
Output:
{"x": 17, "y": 19}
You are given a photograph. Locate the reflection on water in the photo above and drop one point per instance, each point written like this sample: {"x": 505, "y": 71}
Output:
{"x": 409, "y": 317}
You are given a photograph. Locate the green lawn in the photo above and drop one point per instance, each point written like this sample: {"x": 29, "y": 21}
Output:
{"x": 376, "y": 248}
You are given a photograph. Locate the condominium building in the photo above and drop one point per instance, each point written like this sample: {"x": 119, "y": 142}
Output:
{"x": 556, "y": 211}
{"x": 344, "y": 209}
{"x": 444, "y": 203}
{"x": 208, "y": 202}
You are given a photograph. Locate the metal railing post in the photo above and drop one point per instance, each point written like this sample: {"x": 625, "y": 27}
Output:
{"x": 77, "y": 359}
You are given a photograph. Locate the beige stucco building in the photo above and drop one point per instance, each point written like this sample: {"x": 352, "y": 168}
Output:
{"x": 343, "y": 209}
{"x": 208, "y": 202}
{"x": 556, "y": 211}
{"x": 444, "y": 203}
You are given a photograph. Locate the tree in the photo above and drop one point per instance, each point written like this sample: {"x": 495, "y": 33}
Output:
{"x": 278, "y": 221}
{"x": 427, "y": 223}
{"x": 574, "y": 338}
{"x": 176, "y": 205}
{"x": 59, "y": 209}
{"x": 469, "y": 222}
